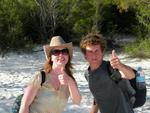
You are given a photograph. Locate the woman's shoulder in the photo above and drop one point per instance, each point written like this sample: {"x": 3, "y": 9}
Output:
{"x": 38, "y": 78}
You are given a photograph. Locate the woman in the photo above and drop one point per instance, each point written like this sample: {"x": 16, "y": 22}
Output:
{"x": 53, "y": 95}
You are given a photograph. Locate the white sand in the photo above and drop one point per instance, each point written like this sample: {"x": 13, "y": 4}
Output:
{"x": 17, "y": 69}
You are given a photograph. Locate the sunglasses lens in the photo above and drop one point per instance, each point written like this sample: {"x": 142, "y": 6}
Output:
{"x": 57, "y": 52}
{"x": 65, "y": 51}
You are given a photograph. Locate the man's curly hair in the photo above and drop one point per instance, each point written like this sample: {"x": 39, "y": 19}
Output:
{"x": 92, "y": 39}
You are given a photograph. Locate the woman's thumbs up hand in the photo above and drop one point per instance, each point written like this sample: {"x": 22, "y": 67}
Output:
{"x": 63, "y": 77}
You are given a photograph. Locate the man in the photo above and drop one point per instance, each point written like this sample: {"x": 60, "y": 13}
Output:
{"x": 107, "y": 94}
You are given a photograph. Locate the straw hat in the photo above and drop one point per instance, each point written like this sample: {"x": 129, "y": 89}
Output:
{"x": 57, "y": 41}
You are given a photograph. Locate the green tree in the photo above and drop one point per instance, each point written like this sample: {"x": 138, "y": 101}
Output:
{"x": 143, "y": 15}
{"x": 10, "y": 24}
{"x": 80, "y": 16}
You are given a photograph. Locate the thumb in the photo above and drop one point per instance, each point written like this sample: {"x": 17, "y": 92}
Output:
{"x": 62, "y": 70}
{"x": 114, "y": 54}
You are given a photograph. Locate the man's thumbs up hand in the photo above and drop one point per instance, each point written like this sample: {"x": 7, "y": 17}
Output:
{"x": 115, "y": 61}
{"x": 114, "y": 55}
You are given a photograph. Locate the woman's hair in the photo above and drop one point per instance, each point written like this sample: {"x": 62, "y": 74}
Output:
{"x": 68, "y": 67}
{"x": 92, "y": 39}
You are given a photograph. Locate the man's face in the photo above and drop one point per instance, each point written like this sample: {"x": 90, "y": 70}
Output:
{"x": 94, "y": 55}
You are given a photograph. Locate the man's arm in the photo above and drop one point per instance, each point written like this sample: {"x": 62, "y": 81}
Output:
{"x": 94, "y": 108}
{"x": 126, "y": 72}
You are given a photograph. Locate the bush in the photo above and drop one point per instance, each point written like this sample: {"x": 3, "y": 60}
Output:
{"x": 140, "y": 48}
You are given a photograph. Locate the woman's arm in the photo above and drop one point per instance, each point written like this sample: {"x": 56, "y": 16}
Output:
{"x": 29, "y": 94}
{"x": 74, "y": 91}
{"x": 65, "y": 79}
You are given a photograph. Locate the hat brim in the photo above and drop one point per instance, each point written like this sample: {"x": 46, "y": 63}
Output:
{"x": 48, "y": 48}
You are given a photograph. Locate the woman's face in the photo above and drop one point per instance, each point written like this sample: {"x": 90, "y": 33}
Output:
{"x": 59, "y": 56}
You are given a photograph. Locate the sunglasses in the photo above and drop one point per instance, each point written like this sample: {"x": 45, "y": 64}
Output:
{"x": 57, "y": 52}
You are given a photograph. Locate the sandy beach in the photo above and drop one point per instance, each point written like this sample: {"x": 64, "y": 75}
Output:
{"x": 17, "y": 68}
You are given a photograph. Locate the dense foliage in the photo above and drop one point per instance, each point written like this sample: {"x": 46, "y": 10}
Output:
{"x": 140, "y": 48}
{"x": 27, "y": 22}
